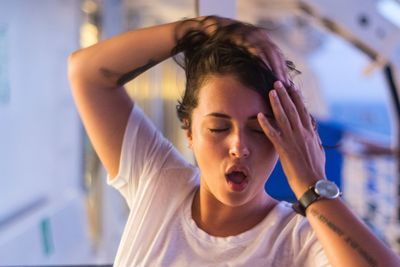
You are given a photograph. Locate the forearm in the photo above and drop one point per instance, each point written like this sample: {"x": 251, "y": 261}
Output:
{"x": 97, "y": 73}
{"x": 346, "y": 240}
{"x": 113, "y": 62}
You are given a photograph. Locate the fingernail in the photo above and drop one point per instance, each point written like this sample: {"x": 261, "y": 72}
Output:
{"x": 278, "y": 84}
{"x": 273, "y": 93}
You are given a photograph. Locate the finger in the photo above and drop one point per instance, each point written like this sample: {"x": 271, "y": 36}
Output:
{"x": 277, "y": 66}
{"x": 304, "y": 115}
{"x": 274, "y": 61}
{"x": 258, "y": 43}
{"x": 320, "y": 142}
{"x": 270, "y": 131}
{"x": 279, "y": 114}
{"x": 288, "y": 106}
{"x": 257, "y": 51}
{"x": 282, "y": 69}
{"x": 277, "y": 62}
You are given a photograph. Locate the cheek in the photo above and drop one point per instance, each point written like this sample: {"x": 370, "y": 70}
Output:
{"x": 203, "y": 138}
{"x": 265, "y": 153}
{"x": 262, "y": 144}
{"x": 270, "y": 154}
{"x": 205, "y": 147}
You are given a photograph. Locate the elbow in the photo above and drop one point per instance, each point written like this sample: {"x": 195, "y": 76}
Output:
{"x": 78, "y": 71}
{"x": 73, "y": 67}
{"x": 83, "y": 72}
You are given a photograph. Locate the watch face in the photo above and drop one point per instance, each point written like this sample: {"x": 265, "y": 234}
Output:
{"x": 327, "y": 189}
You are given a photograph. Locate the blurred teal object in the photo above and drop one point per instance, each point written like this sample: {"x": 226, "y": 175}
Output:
{"x": 47, "y": 237}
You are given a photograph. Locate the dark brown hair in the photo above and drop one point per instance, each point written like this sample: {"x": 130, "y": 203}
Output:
{"x": 207, "y": 55}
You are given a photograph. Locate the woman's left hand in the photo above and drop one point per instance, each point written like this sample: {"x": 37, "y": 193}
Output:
{"x": 294, "y": 137}
{"x": 344, "y": 238}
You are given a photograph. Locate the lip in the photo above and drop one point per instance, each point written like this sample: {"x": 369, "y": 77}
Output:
{"x": 237, "y": 168}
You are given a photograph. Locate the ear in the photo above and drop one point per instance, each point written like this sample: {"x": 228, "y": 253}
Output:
{"x": 189, "y": 137}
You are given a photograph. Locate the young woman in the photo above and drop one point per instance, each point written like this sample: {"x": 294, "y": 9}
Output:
{"x": 240, "y": 112}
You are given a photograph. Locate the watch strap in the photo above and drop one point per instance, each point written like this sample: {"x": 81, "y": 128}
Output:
{"x": 305, "y": 200}
{"x": 322, "y": 189}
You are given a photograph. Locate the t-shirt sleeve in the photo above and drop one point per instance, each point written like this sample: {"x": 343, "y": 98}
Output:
{"x": 145, "y": 151}
{"x": 314, "y": 254}
{"x": 311, "y": 252}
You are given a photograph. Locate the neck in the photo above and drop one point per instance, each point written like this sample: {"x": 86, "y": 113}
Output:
{"x": 218, "y": 219}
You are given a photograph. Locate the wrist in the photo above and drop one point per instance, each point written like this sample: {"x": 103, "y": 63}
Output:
{"x": 300, "y": 187}
{"x": 322, "y": 189}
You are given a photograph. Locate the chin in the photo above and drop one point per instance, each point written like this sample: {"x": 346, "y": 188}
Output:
{"x": 235, "y": 200}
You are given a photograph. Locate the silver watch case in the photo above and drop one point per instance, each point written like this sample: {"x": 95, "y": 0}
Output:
{"x": 327, "y": 189}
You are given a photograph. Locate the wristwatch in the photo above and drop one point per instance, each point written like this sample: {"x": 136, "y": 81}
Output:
{"x": 323, "y": 189}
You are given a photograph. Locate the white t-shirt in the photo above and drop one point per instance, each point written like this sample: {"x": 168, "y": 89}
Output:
{"x": 159, "y": 185}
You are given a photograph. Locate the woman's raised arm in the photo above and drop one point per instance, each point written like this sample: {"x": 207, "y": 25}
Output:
{"x": 97, "y": 75}
{"x": 347, "y": 241}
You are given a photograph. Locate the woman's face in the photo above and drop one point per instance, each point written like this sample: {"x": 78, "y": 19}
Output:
{"x": 234, "y": 155}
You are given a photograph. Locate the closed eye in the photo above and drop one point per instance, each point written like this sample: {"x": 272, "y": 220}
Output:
{"x": 217, "y": 130}
{"x": 258, "y": 131}
{"x": 255, "y": 127}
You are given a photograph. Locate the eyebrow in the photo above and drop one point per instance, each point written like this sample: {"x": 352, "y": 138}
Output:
{"x": 225, "y": 116}
{"x": 218, "y": 115}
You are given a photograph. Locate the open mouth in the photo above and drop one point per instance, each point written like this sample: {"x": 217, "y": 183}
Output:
{"x": 236, "y": 177}
{"x": 237, "y": 180}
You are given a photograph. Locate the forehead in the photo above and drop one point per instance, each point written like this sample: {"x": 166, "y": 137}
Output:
{"x": 225, "y": 94}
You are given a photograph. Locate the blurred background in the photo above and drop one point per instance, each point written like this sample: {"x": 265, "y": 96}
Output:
{"x": 55, "y": 208}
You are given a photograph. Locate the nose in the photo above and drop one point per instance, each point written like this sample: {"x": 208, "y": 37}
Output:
{"x": 238, "y": 147}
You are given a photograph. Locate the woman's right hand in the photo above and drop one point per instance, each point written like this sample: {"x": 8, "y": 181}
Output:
{"x": 255, "y": 39}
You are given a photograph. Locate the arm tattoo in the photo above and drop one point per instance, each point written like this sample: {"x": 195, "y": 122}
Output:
{"x": 347, "y": 239}
{"x": 109, "y": 74}
{"x": 330, "y": 224}
{"x": 121, "y": 79}
{"x": 134, "y": 73}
